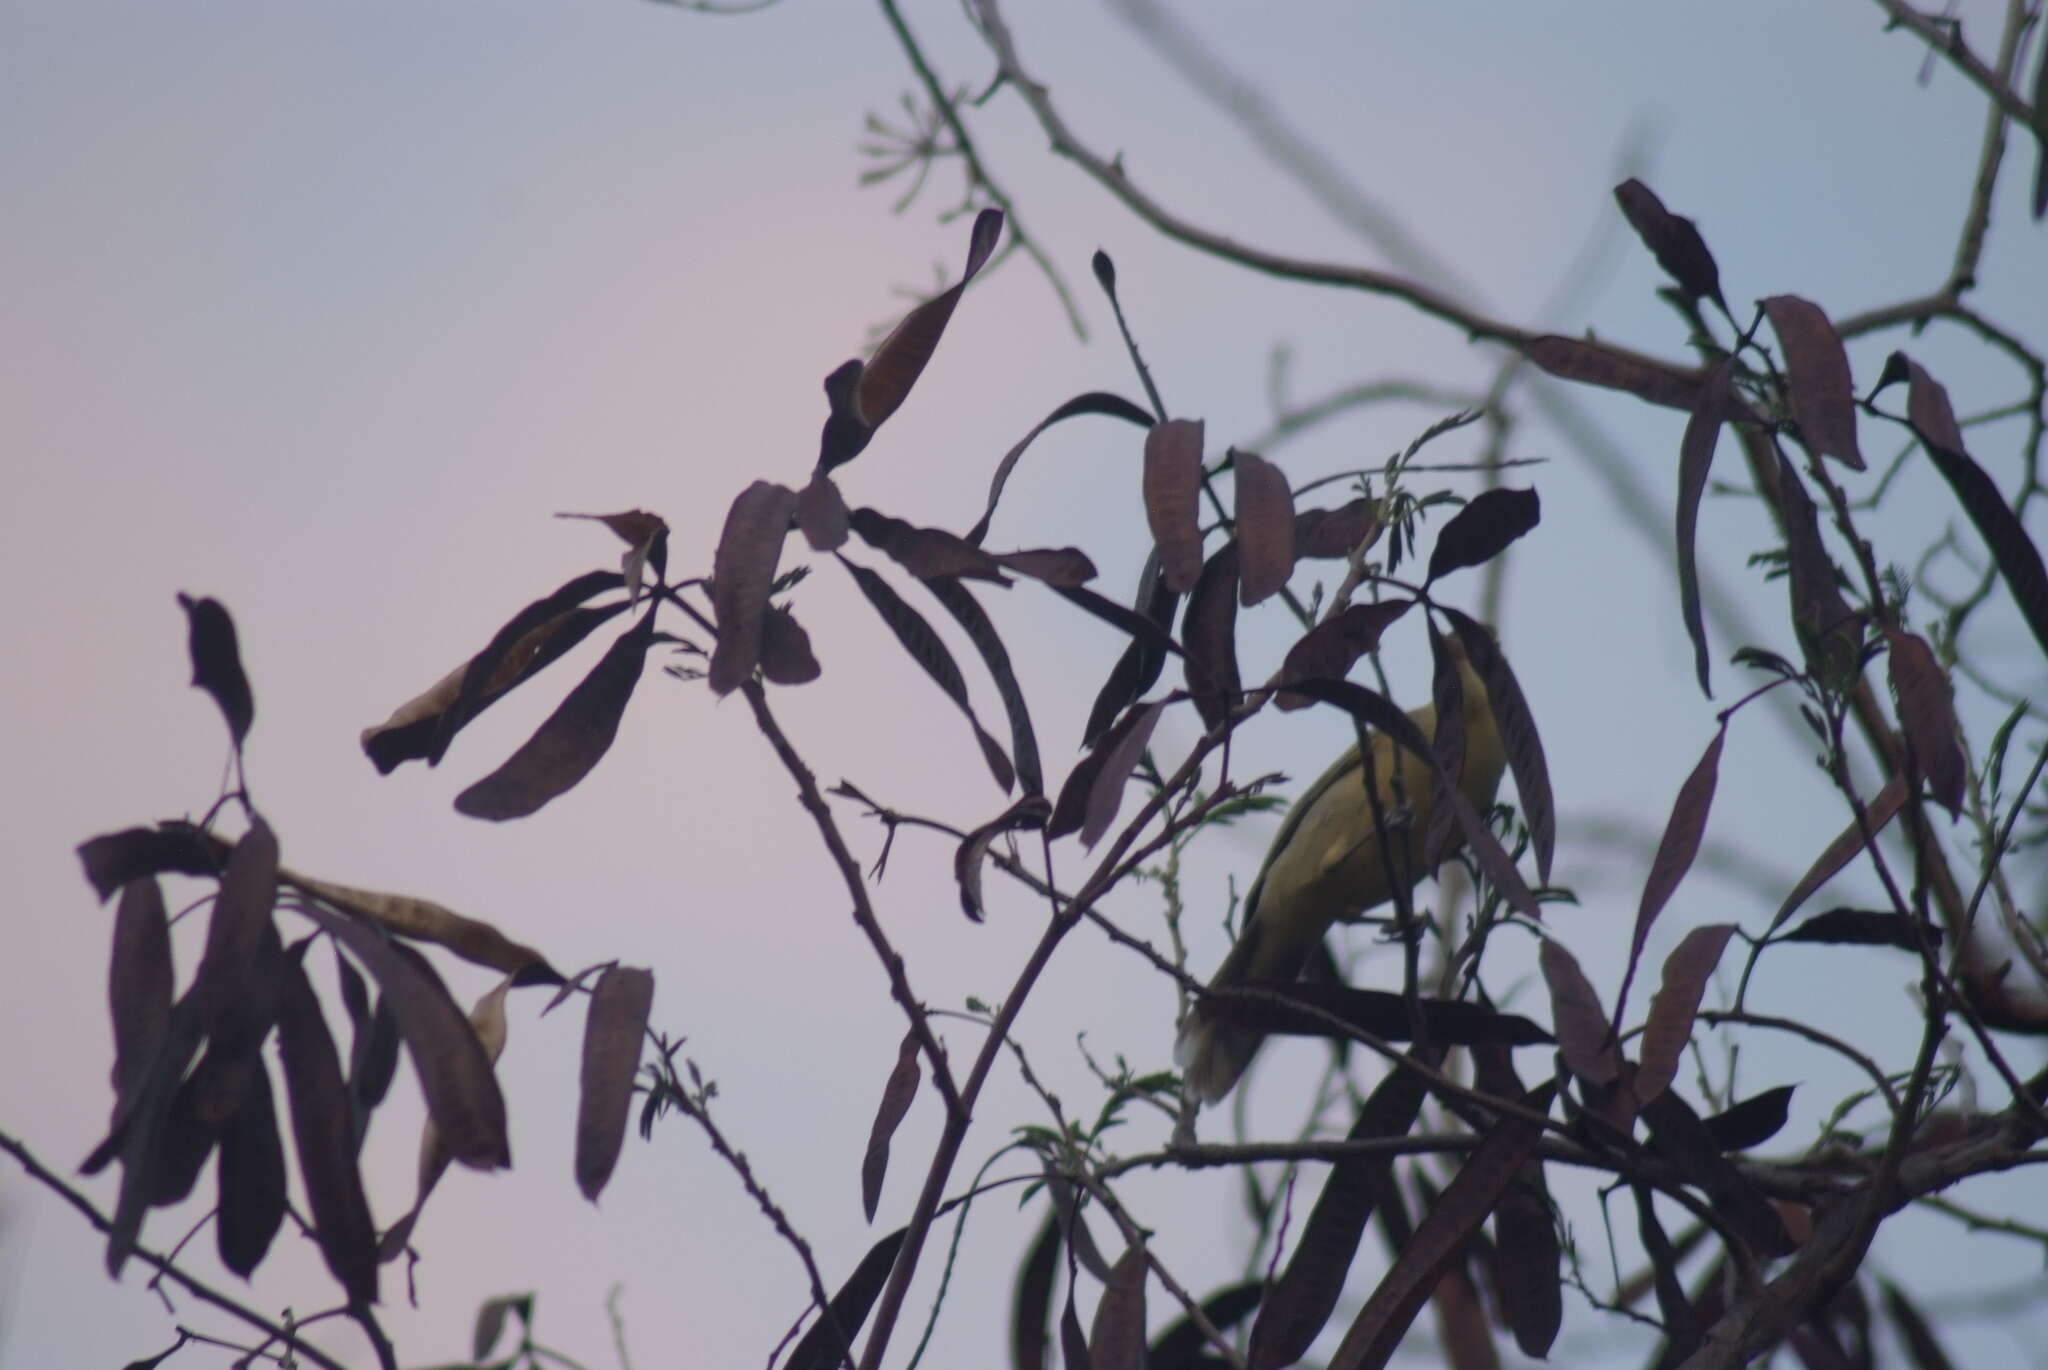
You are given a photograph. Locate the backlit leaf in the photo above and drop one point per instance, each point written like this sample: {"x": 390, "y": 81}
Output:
{"x": 1675, "y": 853}
{"x": 217, "y": 663}
{"x": 897, "y": 1095}
{"x": 1137, "y": 669}
{"x": 1583, "y": 1035}
{"x": 1482, "y": 530}
{"x": 252, "y": 1180}
{"x": 612, "y": 1038}
{"x": 1592, "y": 363}
{"x": 900, "y": 359}
{"x": 114, "y": 859}
{"x": 1173, "y": 488}
{"x": 1334, "y": 534}
{"x": 1673, "y": 240}
{"x": 925, "y": 552}
{"x": 1331, "y": 648}
{"x": 829, "y": 1342}
{"x": 326, "y": 1144}
{"x": 1208, "y": 628}
{"x": 234, "y": 935}
{"x": 1695, "y": 462}
{"x": 966, "y": 610}
{"x": 742, "y": 573}
{"x": 1066, "y": 566}
{"x": 1927, "y": 715}
{"x": 1516, "y": 723}
{"x": 1865, "y": 928}
{"x": 1094, "y": 402}
{"x": 1116, "y": 1339}
{"x": 1265, "y": 526}
{"x": 424, "y": 920}
{"x": 1838, "y": 853}
{"x": 1668, "y": 1027}
{"x": 1823, "y": 392}
{"x": 821, "y": 513}
{"x": 786, "y": 657}
{"x": 140, "y": 981}
{"x": 1031, "y": 1300}
{"x": 1753, "y": 1121}
{"x": 1031, "y": 811}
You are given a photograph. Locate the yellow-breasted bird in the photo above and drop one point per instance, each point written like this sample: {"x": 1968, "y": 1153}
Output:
{"x": 1325, "y": 865}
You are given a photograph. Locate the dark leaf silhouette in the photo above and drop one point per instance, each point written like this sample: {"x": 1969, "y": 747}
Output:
{"x": 928, "y": 651}
{"x": 1591, "y": 363}
{"x": 1303, "y": 1008}
{"x": 1447, "y": 693}
{"x": 1516, "y": 723}
{"x": 227, "y": 974}
{"x": 786, "y": 657}
{"x": 1096, "y": 786}
{"x": 140, "y": 981}
{"x": 1865, "y": 928}
{"x": 1138, "y": 668}
{"x": 821, "y": 513}
{"x": 252, "y": 1179}
{"x": 742, "y": 574}
{"x": 217, "y": 663}
{"x": 1823, "y": 392}
{"x": 1031, "y": 811}
{"x": 897, "y": 1095}
{"x": 1333, "y": 534}
{"x": 535, "y": 638}
{"x": 1483, "y": 529}
{"x": 1678, "y": 1133}
{"x": 373, "y": 1046}
{"x": 1116, "y": 1339}
{"x": 1526, "y": 1253}
{"x": 575, "y": 737}
{"x": 423, "y": 920}
{"x": 1031, "y": 1300}
{"x": 1059, "y": 566}
{"x": 1265, "y": 526}
{"x": 490, "y": 1322}
{"x": 114, "y": 859}
{"x": 1094, "y": 402}
{"x": 326, "y": 1144}
{"x": 1331, "y": 648}
{"x": 1208, "y": 628}
{"x": 1914, "y": 1329}
{"x": 1673, "y": 240}
{"x": 887, "y": 378}
{"x": 2019, "y": 561}
{"x": 1305, "y": 1295}
{"x": 1838, "y": 853}
{"x": 1675, "y": 853}
{"x": 844, "y": 436}
{"x": 1142, "y": 627}
{"x": 1182, "y": 1344}
{"x": 925, "y": 552}
{"x": 966, "y": 610}
{"x": 1928, "y": 716}
{"x": 453, "y": 1067}
{"x": 646, "y": 539}
{"x": 1668, "y": 1027}
{"x": 2039, "y": 128}
{"x": 1073, "y": 1341}
{"x": 1753, "y": 1121}
{"x": 1173, "y": 489}
{"x": 830, "y": 1340}
{"x": 1681, "y": 1324}
{"x": 207, "y": 1098}
{"x": 1583, "y": 1034}
{"x": 1695, "y": 461}
{"x": 612, "y": 1037}
{"x": 488, "y": 1027}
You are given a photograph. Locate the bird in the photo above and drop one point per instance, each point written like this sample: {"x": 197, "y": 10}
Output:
{"x": 1325, "y": 865}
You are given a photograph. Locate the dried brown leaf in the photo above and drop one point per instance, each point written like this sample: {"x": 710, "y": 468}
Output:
{"x": 742, "y": 573}
{"x": 897, "y": 1096}
{"x": 217, "y": 663}
{"x": 1173, "y": 488}
{"x": 1823, "y": 392}
{"x": 1668, "y": 1027}
{"x": 1265, "y": 527}
{"x": 821, "y": 513}
{"x": 1592, "y": 363}
{"x": 326, "y": 1144}
{"x": 1583, "y": 1035}
{"x": 1116, "y": 1338}
{"x": 1329, "y": 650}
{"x": 786, "y": 656}
{"x": 1927, "y": 715}
{"x": 1695, "y": 462}
{"x": 612, "y": 1039}
{"x": 1675, "y": 853}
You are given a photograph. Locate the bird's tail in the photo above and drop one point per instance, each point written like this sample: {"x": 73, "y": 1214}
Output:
{"x": 1211, "y": 1056}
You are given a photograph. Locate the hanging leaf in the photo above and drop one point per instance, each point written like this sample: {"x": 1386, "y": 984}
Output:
{"x": 1102, "y": 785}
{"x": 1031, "y": 811}
{"x": 1823, "y": 392}
{"x": 646, "y": 539}
{"x": 1678, "y": 1134}
{"x": 2018, "y": 560}
{"x": 227, "y": 975}
{"x": 1483, "y": 529}
{"x": 1073, "y": 1341}
{"x": 1673, "y": 240}
{"x": 1057, "y": 566}
{"x": 217, "y": 664}
{"x": 1668, "y": 1027}
{"x": 1843, "y": 849}
{"x": 925, "y": 552}
{"x": 1516, "y": 724}
{"x": 1331, "y": 648}
{"x": 115, "y": 859}
{"x": 742, "y": 575}
{"x": 1447, "y": 693}
{"x": 490, "y": 1322}
{"x": 1334, "y": 534}
{"x": 1695, "y": 461}
{"x": 1304, "y": 1008}
{"x": 1592, "y": 363}
{"x": 1527, "y": 1257}
{"x": 925, "y": 648}
{"x": 1583, "y": 1035}
{"x": 1865, "y": 928}
{"x": 487, "y": 1021}
{"x": 327, "y": 1153}
{"x": 612, "y": 1038}
{"x": 1031, "y": 1300}
{"x": 251, "y": 1178}
{"x": 1753, "y": 1121}
{"x": 575, "y": 737}
{"x": 1681, "y": 1324}
{"x": 897, "y": 1095}
{"x": 1208, "y": 627}
{"x": 829, "y": 1343}
{"x": 1927, "y": 715}
{"x": 1173, "y": 490}
{"x": 453, "y": 1067}
{"x": 1914, "y": 1329}
{"x": 140, "y": 981}
{"x": 1116, "y": 1339}
{"x": 423, "y": 920}
{"x": 1094, "y": 402}
{"x": 821, "y": 513}
{"x": 1675, "y": 853}
{"x": 786, "y": 657}
{"x": 1265, "y": 526}
{"x": 1183, "y": 1344}
{"x": 886, "y": 380}
{"x": 966, "y": 610}
{"x": 535, "y": 638}
{"x": 1137, "y": 670}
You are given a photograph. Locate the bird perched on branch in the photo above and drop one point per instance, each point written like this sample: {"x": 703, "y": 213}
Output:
{"x": 1326, "y": 865}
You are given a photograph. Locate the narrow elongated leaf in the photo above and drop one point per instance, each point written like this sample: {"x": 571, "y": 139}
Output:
{"x": 612, "y": 1037}
{"x": 1302, "y": 1008}
{"x": 1483, "y": 529}
{"x": 928, "y": 651}
{"x": 575, "y": 737}
{"x": 1139, "y": 626}
{"x": 2039, "y": 128}
{"x": 1527, "y": 1257}
{"x": 1823, "y": 392}
{"x": 1060, "y": 566}
{"x": 742, "y": 574}
{"x": 1031, "y": 1300}
{"x": 114, "y": 859}
{"x": 1864, "y": 928}
{"x": 1668, "y": 1027}
{"x": 1138, "y": 668}
{"x": 900, "y": 359}
{"x": 490, "y": 1322}
{"x": 646, "y": 539}
{"x": 821, "y": 513}
{"x": 137, "y": 1137}
{"x": 1677, "y": 1133}
{"x": 1331, "y": 648}
{"x": 1094, "y": 402}
{"x": 1675, "y": 853}
{"x": 1927, "y": 715}
{"x": 829, "y": 1343}
{"x": 786, "y": 657}
{"x": 1838, "y": 853}
{"x": 1265, "y": 526}
{"x": 1447, "y": 692}
{"x": 1752, "y": 1121}
{"x": 1681, "y": 1324}
{"x": 206, "y": 1099}
{"x": 1031, "y": 811}
{"x": 250, "y": 1172}
{"x": 1334, "y": 534}
{"x": 1120, "y": 752}
{"x": 897, "y": 1095}
{"x": 1116, "y": 1338}
{"x": 453, "y": 1067}
{"x": 1208, "y": 627}
{"x": 1516, "y": 723}
{"x": 966, "y": 610}
{"x": 1173, "y": 490}
{"x": 326, "y": 1145}
{"x": 925, "y": 552}
{"x": 1439, "y": 1241}
{"x": 1592, "y": 363}
{"x": 1673, "y": 240}
{"x": 1073, "y": 1341}
{"x": 140, "y": 980}
{"x": 488, "y": 1023}
{"x": 424, "y": 920}
{"x": 1695, "y": 462}
{"x": 1583, "y": 1034}
{"x": 234, "y": 935}
{"x": 534, "y": 638}
{"x": 217, "y": 663}
{"x": 1306, "y": 1293}
{"x": 1914, "y": 1329}
{"x": 1182, "y": 1345}
{"x": 2018, "y": 560}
